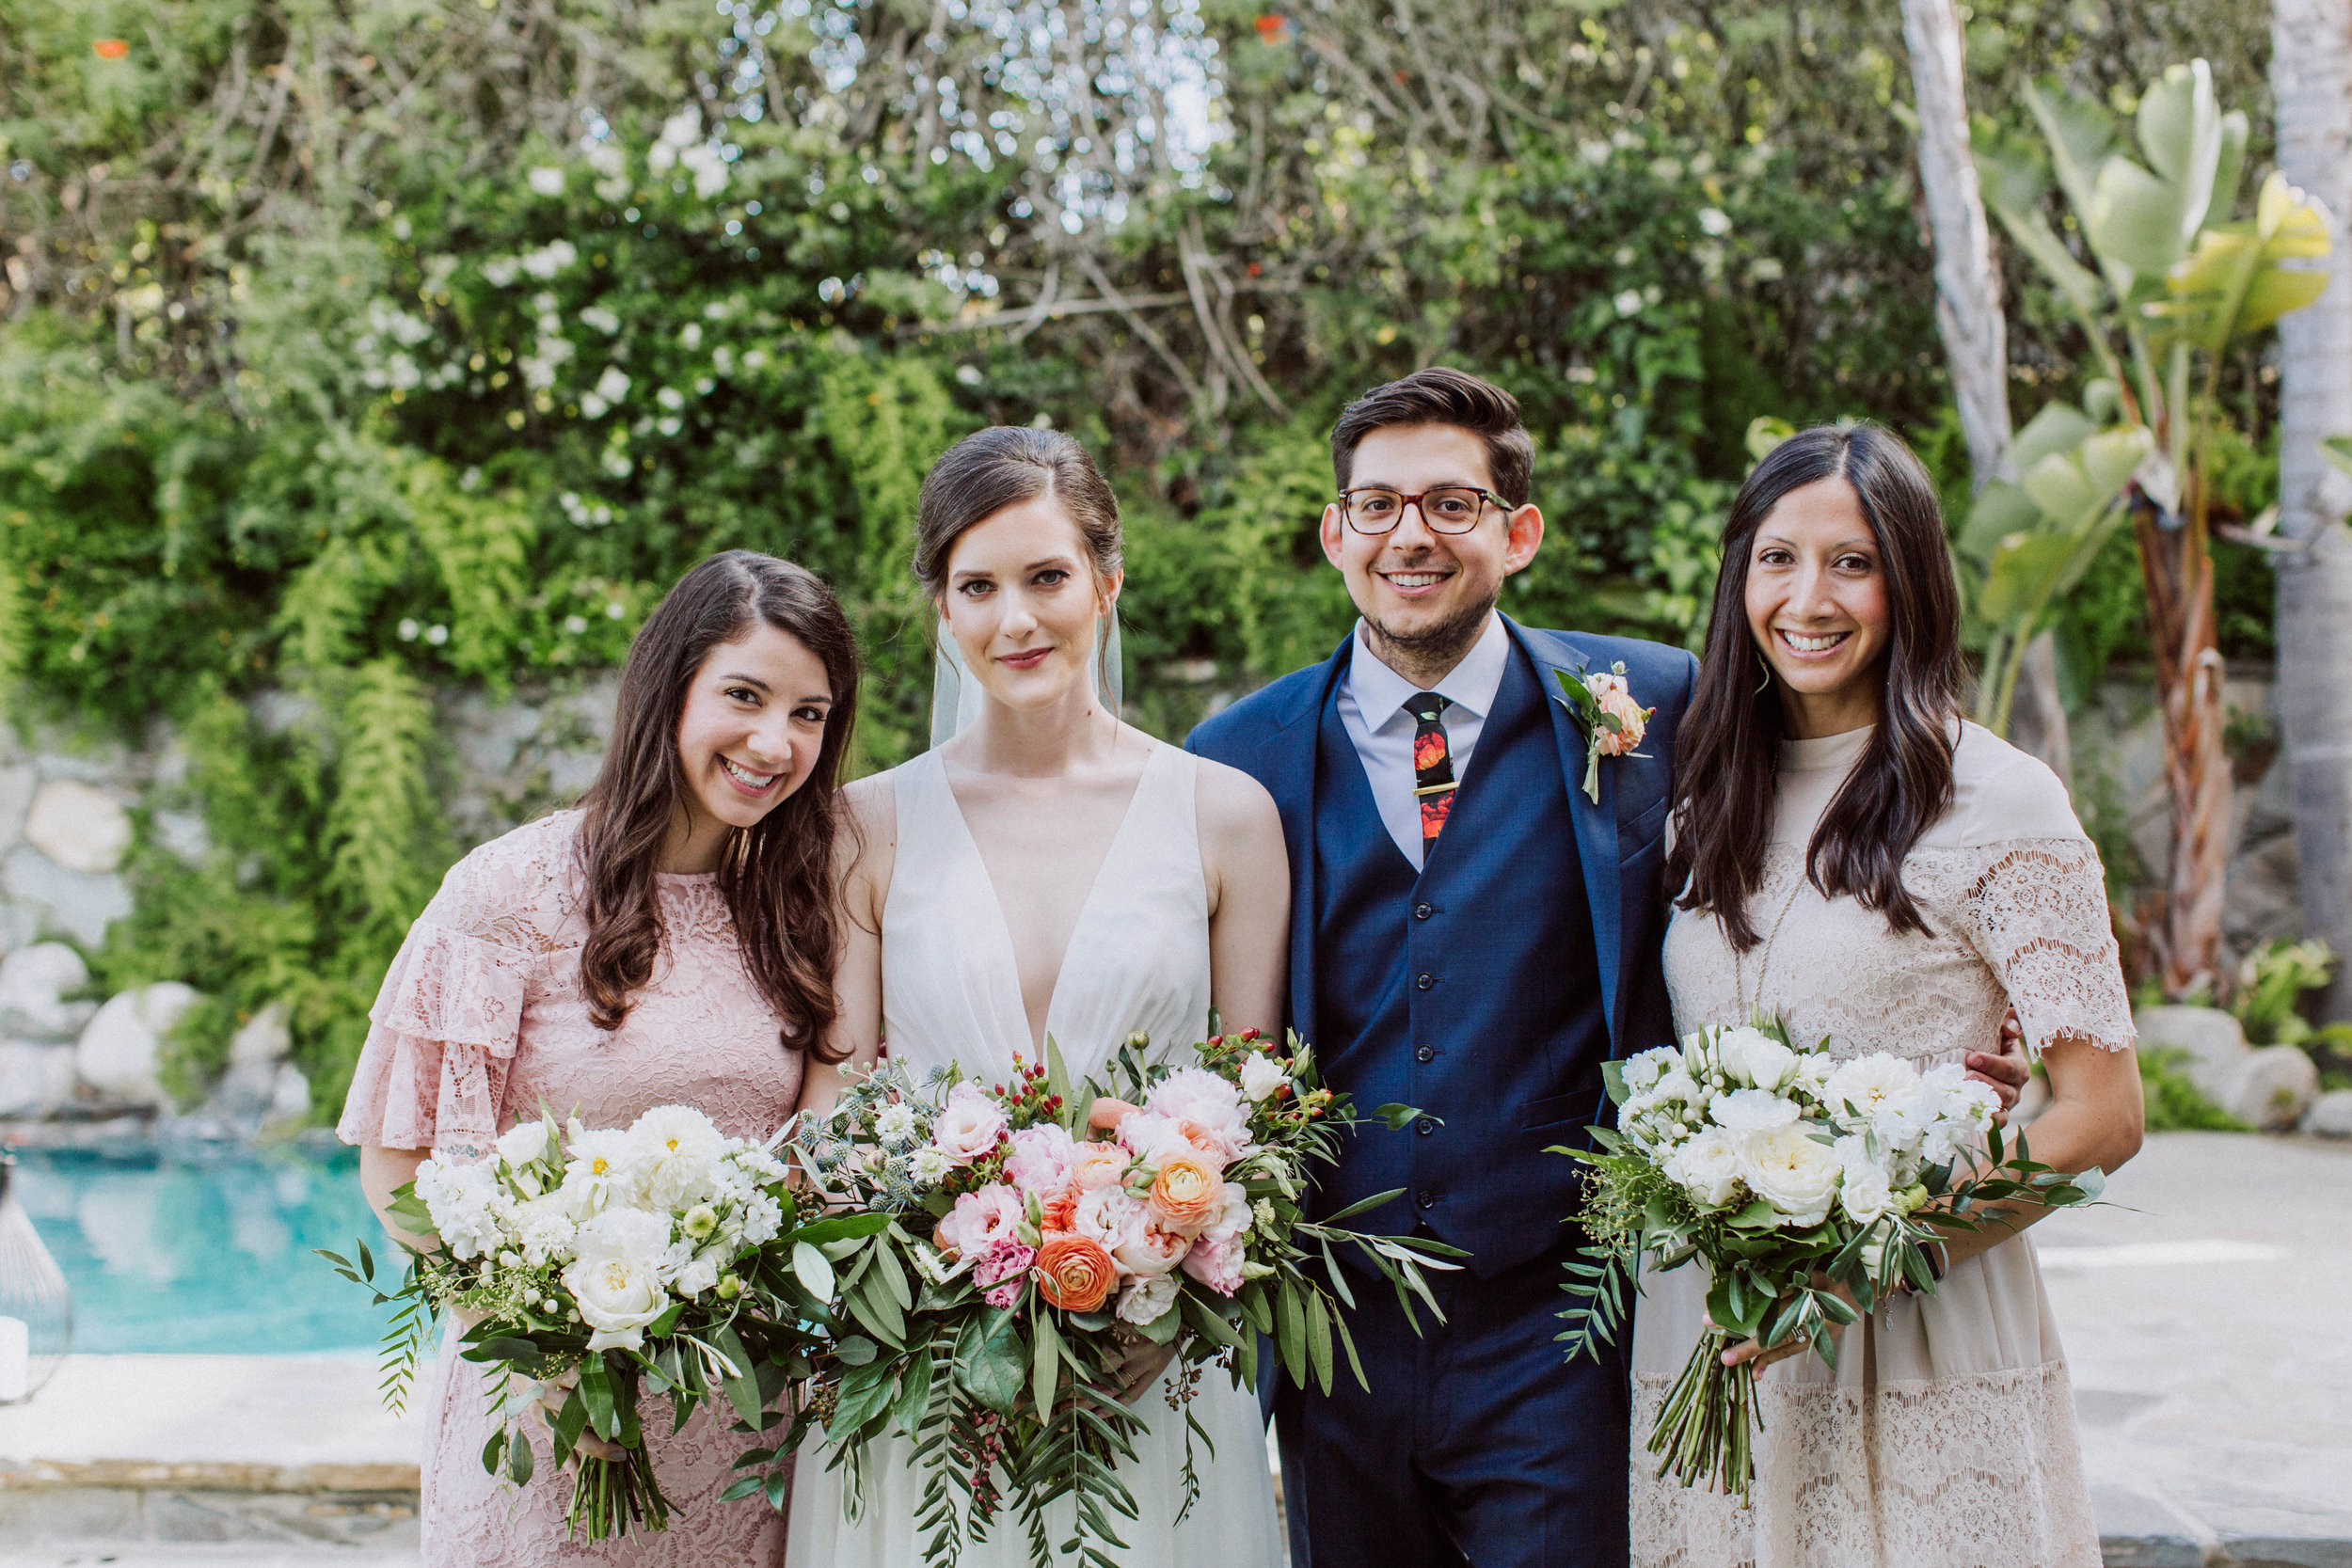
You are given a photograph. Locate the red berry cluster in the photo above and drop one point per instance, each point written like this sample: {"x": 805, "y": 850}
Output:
{"x": 1030, "y": 1103}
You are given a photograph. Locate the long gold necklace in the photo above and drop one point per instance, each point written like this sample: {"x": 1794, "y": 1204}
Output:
{"x": 1739, "y": 984}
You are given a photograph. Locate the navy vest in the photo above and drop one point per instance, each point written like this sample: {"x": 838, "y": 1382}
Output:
{"x": 1468, "y": 990}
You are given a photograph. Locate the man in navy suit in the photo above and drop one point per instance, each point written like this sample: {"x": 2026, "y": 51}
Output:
{"x": 1472, "y": 935}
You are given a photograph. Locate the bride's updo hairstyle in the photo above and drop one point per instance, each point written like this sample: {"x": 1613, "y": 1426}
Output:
{"x": 775, "y": 875}
{"x": 1727, "y": 751}
{"x": 1004, "y": 466}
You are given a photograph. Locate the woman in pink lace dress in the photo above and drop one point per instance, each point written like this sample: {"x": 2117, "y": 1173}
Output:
{"x": 669, "y": 942}
{"x": 1855, "y": 859}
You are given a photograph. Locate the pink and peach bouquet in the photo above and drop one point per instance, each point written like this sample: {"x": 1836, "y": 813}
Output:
{"x": 1044, "y": 1243}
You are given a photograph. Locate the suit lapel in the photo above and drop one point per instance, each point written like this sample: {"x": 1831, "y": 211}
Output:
{"x": 1596, "y": 823}
{"x": 1289, "y": 758}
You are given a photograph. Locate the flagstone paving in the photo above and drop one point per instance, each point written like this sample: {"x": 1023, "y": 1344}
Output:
{"x": 2204, "y": 1313}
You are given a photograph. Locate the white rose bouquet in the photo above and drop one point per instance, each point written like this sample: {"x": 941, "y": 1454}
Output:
{"x": 1789, "y": 1174}
{"x": 663, "y": 1258}
{"x": 1027, "y": 1251}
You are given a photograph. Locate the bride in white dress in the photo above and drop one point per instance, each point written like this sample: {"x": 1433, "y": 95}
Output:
{"x": 1051, "y": 870}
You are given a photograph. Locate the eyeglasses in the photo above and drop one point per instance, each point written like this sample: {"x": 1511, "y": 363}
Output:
{"x": 1449, "y": 509}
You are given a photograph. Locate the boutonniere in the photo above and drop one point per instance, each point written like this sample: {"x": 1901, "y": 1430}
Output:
{"x": 1613, "y": 721}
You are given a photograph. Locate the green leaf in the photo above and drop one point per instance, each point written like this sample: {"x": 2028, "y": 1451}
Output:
{"x": 1397, "y": 1116}
{"x": 1290, "y": 1332}
{"x": 1319, "y": 1338}
{"x": 989, "y": 1360}
{"x": 814, "y": 1271}
{"x": 519, "y": 1459}
{"x": 595, "y": 1387}
{"x": 914, "y": 1397}
{"x": 847, "y": 1226}
{"x": 742, "y": 1386}
{"x": 1047, "y": 1361}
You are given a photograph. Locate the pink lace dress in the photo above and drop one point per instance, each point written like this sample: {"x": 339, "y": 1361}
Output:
{"x": 1945, "y": 1437}
{"x": 480, "y": 1020}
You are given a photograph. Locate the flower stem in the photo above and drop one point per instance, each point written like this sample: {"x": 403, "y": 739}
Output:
{"x": 1706, "y": 1427}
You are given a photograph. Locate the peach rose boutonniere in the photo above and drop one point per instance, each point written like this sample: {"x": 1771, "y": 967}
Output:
{"x": 1613, "y": 721}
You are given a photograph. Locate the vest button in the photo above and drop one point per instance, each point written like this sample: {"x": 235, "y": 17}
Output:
{"x": 1424, "y": 981}
{"x": 1426, "y": 1126}
{"x": 1427, "y": 1198}
{"x": 1423, "y": 911}
{"x": 1426, "y": 1054}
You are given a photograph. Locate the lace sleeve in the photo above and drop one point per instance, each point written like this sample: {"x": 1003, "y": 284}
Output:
{"x": 2036, "y": 910}
{"x": 445, "y": 1026}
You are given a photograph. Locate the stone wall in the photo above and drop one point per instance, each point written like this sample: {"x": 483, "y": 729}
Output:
{"x": 65, "y": 826}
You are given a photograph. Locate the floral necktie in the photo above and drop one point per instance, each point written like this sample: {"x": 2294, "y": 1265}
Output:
{"x": 1433, "y": 765}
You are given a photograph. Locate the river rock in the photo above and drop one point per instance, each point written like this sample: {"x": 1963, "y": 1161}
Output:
{"x": 2330, "y": 1116}
{"x": 263, "y": 1040}
{"x": 33, "y": 983}
{"x": 2271, "y": 1088}
{"x": 80, "y": 828}
{"x": 290, "y": 1101}
{"x": 82, "y": 903}
{"x": 120, "y": 1053}
{"x": 2213, "y": 1043}
{"x": 34, "y": 1079}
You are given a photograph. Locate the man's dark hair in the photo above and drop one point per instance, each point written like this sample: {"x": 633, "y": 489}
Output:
{"x": 1442, "y": 396}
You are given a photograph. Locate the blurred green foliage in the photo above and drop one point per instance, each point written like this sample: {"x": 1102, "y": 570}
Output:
{"x": 351, "y": 354}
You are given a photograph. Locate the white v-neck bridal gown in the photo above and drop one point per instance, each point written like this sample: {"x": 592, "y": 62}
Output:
{"x": 1138, "y": 960}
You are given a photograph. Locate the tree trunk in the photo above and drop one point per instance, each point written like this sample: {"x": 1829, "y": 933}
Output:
{"x": 1968, "y": 315}
{"x": 2182, "y": 923}
{"x": 2311, "y": 78}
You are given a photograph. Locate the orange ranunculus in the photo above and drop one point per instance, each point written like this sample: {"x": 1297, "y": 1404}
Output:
{"x": 1074, "y": 1272}
{"x": 1056, "y": 1212}
{"x": 1186, "y": 1194}
{"x": 1098, "y": 1164}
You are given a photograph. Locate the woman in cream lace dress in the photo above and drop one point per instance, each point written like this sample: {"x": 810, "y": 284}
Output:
{"x": 1877, "y": 873}
{"x": 653, "y": 948}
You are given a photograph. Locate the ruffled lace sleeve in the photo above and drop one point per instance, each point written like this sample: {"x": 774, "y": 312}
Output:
{"x": 2036, "y": 910}
{"x": 445, "y": 1027}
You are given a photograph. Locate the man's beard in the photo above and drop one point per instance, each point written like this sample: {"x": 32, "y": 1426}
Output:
{"x": 1444, "y": 642}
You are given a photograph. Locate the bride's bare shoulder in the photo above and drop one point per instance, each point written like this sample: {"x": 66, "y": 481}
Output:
{"x": 1234, "y": 808}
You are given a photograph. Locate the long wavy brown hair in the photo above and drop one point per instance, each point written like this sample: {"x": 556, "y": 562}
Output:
{"x": 1727, "y": 751}
{"x": 776, "y": 876}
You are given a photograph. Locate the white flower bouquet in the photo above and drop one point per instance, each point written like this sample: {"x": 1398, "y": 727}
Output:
{"x": 662, "y": 1257}
{"x": 1026, "y": 1255}
{"x": 1789, "y": 1174}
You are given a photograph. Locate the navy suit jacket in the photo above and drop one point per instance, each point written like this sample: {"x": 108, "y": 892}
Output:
{"x": 1272, "y": 733}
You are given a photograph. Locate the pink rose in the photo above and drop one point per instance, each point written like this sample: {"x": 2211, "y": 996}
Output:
{"x": 1001, "y": 1260}
{"x": 992, "y": 1214}
{"x": 1207, "y": 1109}
{"x": 1154, "y": 1137}
{"x": 1216, "y": 1264}
{"x": 1042, "y": 1160}
{"x": 1616, "y": 700}
{"x": 967, "y": 1129}
{"x": 1098, "y": 1164}
{"x": 1147, "y": 1251}
{"x": 1233, "y": 1217}
{"x": 1103, "y": 1214}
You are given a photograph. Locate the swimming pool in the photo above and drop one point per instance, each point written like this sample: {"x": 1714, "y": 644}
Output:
{"x": 204, "y": 1252}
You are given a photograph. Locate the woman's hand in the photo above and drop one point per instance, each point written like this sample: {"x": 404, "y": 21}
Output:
{"x": 1753, "y": 1350}
{"x": 1141, "y": 1366}
{"x": 554, "y": 1393}
{"x": 2006, "y": 1073}
{"x": 1107, "y": 1114}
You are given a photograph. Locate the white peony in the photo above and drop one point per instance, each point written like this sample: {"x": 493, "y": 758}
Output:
{"x": 1707, "y": 1167}
{"x": 618, "y": 1276}
{"x": 1105, "y": 1214}
{"x": 1786, "y": 1168}
{"x": 1877, "y": 1090}
{"x": 1752, "y": 1058}
{"x": 1144, "y": 1300}
{"x": 1751, "y": 1111}
{"x": 1151, "y": 1138}
{"x": 1206, "y": 1108}
{"x": 602, "y": 1172}
{"x": 1234, "y": 1217}
{"x": 677, "y": 1147}
{"x": 1260, "y": 1076}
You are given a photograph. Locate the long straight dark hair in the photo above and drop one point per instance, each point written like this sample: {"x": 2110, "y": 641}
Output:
{"x": 776, "y": 876}
{"x": 1726, "y": 777}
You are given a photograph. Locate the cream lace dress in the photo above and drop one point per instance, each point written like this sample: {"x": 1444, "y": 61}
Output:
{"x": 481, "y": 1018}
{"x": 1946, "y": 1438}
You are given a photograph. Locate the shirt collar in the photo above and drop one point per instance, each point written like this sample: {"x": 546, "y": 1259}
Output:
{"x": 1381, "y": 693}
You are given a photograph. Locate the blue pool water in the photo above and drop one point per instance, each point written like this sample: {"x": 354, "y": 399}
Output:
{"x": 204, "y": 1252}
